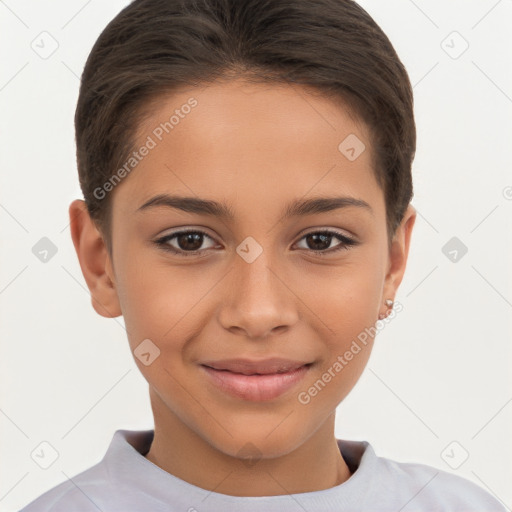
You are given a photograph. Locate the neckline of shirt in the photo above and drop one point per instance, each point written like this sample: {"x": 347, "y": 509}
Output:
{"x": 127, "y": 465}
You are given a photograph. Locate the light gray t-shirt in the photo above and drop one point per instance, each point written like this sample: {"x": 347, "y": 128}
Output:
{"x": 125, "y": 481}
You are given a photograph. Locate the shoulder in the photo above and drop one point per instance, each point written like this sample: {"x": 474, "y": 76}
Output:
{"x": 422, "y": 487}
{"x": 116, "y": 482}
{"x": 81, "y": 492}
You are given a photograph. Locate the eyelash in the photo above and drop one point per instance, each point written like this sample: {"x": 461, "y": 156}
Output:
{"x": 346, "y": 244}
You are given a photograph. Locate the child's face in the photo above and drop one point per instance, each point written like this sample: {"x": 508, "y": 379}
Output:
{"x": 256, "y": 148}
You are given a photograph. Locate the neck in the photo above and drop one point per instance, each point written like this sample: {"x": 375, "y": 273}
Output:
{"x": 315, "y": 465}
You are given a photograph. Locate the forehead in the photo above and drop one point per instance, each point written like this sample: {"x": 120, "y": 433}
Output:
{"x": 258, "y": 145}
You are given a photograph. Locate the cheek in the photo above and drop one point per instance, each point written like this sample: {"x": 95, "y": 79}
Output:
{"x": 146, "y": 300}
{"x": 161, "y": 304}
{"x": 345, "y": 301}
{"x": 344, "y": 298}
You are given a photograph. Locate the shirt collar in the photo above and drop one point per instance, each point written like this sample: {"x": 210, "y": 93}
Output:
{"x": 127, "y": 466}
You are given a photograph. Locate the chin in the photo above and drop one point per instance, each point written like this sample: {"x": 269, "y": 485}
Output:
{"x": 262, "y": 440}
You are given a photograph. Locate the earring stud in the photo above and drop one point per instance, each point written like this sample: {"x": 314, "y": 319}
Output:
{"x": 388, "y": 303}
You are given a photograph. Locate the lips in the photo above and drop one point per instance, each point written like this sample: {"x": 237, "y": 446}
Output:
{"x": 252, "y": 367}
{"x": 255, "y": 380}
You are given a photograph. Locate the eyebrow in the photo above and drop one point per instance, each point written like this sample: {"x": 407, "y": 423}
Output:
{"x": 298, "y": 207}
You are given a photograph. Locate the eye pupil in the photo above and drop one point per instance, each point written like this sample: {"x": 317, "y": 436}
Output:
{"x": 323, "y": 239}
{"x": 185, "y": 241}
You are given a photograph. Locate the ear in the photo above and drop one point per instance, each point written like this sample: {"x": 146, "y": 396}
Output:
{"x": 398, "y": 254}
{"x": 94, "y": 261}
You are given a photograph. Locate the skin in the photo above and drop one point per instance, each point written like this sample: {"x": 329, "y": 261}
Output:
{"x": 256, "y": 147}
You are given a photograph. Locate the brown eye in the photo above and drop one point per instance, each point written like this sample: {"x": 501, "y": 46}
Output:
{"x": 319, "y": 242}
{"x": 187, "y": 243}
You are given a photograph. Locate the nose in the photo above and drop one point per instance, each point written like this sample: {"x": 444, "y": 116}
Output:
{"x": 257, "y": 300}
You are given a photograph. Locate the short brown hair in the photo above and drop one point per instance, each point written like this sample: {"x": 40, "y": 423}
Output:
{"x": 153, "y": 47}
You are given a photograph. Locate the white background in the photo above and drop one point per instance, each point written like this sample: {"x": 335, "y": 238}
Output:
{"x": 440, "y": 371}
